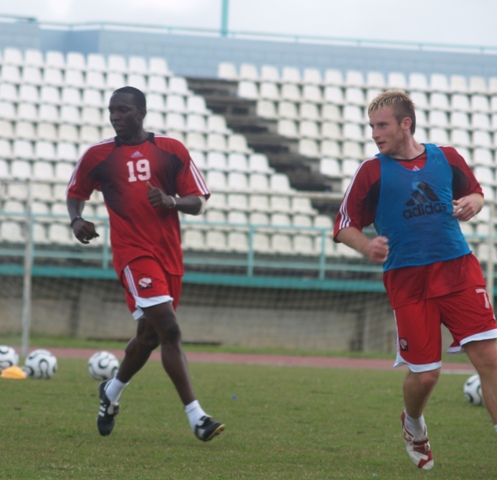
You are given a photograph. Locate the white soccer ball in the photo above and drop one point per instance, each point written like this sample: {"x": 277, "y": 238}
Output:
{"x": 472, "y": 390}
{"x": 8, "y": 357}
{"x": 103, "y": 365}
{"x": 40, "y": 364}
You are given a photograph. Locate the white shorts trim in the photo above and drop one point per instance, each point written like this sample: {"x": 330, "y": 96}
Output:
{"x": 148, "y": 302}
{"x": 427, "y": 367}
{"x": 478, "y": 337}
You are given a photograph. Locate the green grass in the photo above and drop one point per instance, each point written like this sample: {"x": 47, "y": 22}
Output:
{"x": 281, "y": 423}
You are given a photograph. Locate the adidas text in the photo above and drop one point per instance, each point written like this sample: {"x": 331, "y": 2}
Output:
{"x": 429, "y": 209}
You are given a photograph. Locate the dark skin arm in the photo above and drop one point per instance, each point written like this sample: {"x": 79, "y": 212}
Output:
{"x": 83, "y": 230}
{"x": 190, "y": 204}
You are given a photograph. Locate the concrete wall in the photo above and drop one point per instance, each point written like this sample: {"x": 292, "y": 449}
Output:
{"x": 208, "y": 314}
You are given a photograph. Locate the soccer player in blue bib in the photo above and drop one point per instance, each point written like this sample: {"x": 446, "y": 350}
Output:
{"x": 415, "y": 195}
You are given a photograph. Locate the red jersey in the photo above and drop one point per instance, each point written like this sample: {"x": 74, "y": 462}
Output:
{"x": 121, "y": 173}
{"x": 411, "y": 284}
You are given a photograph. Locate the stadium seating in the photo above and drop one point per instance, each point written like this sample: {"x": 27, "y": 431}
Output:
{"x": 52, "y": 106}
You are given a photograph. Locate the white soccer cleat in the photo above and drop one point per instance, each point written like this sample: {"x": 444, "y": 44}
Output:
{"x": 419, "y": 451}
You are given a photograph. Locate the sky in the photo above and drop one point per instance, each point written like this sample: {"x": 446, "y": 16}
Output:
{"x": 447, "y": 22}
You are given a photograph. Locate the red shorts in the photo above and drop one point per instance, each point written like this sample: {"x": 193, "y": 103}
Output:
{"x": 467, "y": 314}
{"x": 147, "y": 284}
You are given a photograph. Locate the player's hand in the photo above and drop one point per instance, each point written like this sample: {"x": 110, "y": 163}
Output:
{"x": 84, "y": 231}
{"x": 158, "y": 198}
{"x": 377, "y": 249}
{"x": 466, "y": 208}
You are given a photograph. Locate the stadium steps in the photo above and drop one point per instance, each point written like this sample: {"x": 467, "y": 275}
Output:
{"x": 261, "y": 135}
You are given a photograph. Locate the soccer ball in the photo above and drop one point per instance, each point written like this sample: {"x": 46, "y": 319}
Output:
{"x": 103, "y": 365}
{"x": 40, "y": 364}
{"x": 472, "y": 390}
{"x": 8, "y": 357}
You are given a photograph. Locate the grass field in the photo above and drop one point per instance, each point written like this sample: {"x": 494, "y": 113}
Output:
{"x": 281, "y": 423}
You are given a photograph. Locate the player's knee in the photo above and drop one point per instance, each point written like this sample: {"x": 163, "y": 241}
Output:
{"x": 149, "y": 341}
{"x": 170, "y": 333}
{"x": 429, "y": 379}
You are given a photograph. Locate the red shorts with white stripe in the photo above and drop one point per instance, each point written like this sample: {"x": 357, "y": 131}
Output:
{"x": 467, "y": 314}
{"x": 147, "y": 284}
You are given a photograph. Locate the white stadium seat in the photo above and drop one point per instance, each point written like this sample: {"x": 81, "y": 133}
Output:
{"x": 354, "y": 78}
{"x": 439, "y": 82}
{"x": 375, "y": 79}
{"x": 290, "y": 92}
{"x": 23, "y": 131}
{"x": 266, "y": 109}
{"x": 33, "y": 57}
{"x": 291, "y": 75}
{"x": 75, "y": 61}
{"x": 269, "y": 73}
{"x": 458, "y": 84}
{"x": 11, "y": 74}
{"x": 53, "y": 76}
{"x": 8, "y": 92}
{"x": 333, "y": 77}
{"x": 309, "y": 111}
{"x": 287, "y": 110}
{"x": 158, "y": 66}
{"x": 117, "y": 63}
{"x": 43, "y": 170}
{"x": 196, "y": 104}
{"x": 11, "y": 231}
{"x": 267, "y": 90}
{"x": 396, "y": 80}
{"x": 13, "y": 56}
{"x": 262, "y": 242}
{"x": 56, "y": 59}
{"x": 44, "y": 150}
{"x": 312, "y": 76}
{"x": 157, "y": 84}
{"x": 50, "y": 94}
{"x": 32, "y": 76}
{"x": 248, "y": 71}
{"x": 227, "y": 71}
{"x": 418, "y": 82}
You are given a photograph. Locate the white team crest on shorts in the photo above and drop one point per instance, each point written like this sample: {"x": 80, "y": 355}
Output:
{"x": 403, "y": 344}
{"x": 145, "y": 282}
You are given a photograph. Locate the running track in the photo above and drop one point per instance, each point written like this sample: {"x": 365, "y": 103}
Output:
{"x": 282, "y": 360}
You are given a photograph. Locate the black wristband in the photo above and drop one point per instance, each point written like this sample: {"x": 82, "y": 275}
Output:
{"x": 74, "y": 220}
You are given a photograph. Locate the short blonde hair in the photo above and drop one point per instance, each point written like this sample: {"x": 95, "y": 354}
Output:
{"x": 400, "y": 102}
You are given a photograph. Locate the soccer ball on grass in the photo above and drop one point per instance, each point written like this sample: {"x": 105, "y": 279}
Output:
{"x": 103, "y": 365}
{"x": 472, "y": 390}
{"x": 8, "y": 357}
{"x": 40, "y": 364}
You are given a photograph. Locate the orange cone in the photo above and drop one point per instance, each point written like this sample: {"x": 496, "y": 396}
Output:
{"x": 13, "y": 372}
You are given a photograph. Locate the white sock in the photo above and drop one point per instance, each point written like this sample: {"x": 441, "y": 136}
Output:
{"x": 114, "y": 389}
{"x": 416, "y": 426}
{"x": 495, "y": 428}
{"x": 194, "y": 412}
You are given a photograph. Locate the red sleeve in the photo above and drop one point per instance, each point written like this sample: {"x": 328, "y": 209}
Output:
{"x": 189, "y": 180}
{"x": 82, "y": 182}
{"x": 359, "y": 203}
{"x": 464, "y": 181}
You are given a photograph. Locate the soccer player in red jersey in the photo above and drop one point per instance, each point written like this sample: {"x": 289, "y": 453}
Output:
{"x": 415, "y": 195}
{"x": 145, "y": 179}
